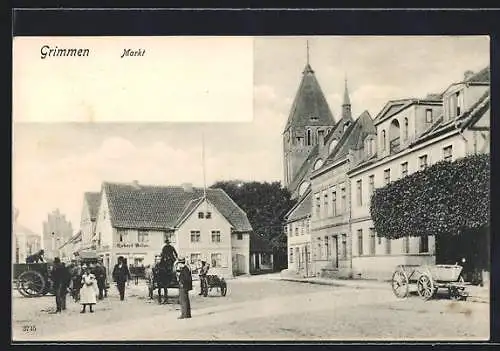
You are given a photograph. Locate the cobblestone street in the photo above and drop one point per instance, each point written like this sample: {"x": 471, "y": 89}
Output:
{"x": 257, "y": 308}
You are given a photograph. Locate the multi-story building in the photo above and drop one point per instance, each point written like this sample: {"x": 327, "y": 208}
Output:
{"x": 134, "y": 220}
{"x": 341, "y": 171}
{"x": 412, "y": 135}
{"x": 56, "y": 231}
{"x": 298, "y": 230}
{"x": 331, "y": 207}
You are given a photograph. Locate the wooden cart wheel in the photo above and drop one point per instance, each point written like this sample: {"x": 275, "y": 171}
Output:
{"x": 31, "y": 284}
{"x": 454, "y": 291}
{"x": 223, "y": 288}
{"x": 400, "y": 283}
{"x": 425, "y": 287}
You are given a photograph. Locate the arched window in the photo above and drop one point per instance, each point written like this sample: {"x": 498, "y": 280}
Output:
{"x": 394, "y": 136}
{"x": 405, "y": 132}
{"x": 383, "y": 140}
{"x": 318, "y": 164}
{"x": 309, "y": 137}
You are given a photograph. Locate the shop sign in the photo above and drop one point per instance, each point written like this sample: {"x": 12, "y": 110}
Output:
{"x": 131, "y": 245}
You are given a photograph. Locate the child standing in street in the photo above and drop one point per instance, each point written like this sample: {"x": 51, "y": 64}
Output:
{"x": 88, "y": 290}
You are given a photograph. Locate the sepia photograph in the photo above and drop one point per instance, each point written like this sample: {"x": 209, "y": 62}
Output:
{"x": 280, "y": 188}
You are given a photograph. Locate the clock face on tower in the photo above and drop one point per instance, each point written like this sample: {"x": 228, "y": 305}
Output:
{"x": 303, "y": 187}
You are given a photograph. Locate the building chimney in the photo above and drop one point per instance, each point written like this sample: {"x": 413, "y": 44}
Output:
{"x": 468, "y": 74}
{"x": 188, "y": 187}
{"x": 135, "y": 184}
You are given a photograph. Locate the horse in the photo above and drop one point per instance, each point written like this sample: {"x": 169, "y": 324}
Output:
{"x": 163, "y": 276}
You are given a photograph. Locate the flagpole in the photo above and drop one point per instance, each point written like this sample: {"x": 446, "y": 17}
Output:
{"x": 203, "y": 164}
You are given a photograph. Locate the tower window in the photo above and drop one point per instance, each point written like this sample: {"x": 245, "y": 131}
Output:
{"x": 309, "y": 137}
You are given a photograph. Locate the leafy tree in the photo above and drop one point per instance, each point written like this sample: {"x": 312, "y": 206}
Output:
{"x": 265, "y": 205}
{"x": 444, "y": 199}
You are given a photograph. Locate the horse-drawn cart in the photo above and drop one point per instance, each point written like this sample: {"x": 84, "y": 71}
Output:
{"x": 32, "y": 279}
{"x": 428, "y": 279}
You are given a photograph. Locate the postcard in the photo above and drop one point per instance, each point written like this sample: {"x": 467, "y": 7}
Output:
{"x": 285, "y": 188}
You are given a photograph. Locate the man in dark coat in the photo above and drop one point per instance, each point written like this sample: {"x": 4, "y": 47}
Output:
{"x": 100, "y": 274}
{"x": 168, "y": 254}
{"x": 36, "y": 257}
{"x": 203, "y": 278}
{"x": 121, "y": 274}
{"x": 61, "y": 278}
{"x": 185, "y": 285}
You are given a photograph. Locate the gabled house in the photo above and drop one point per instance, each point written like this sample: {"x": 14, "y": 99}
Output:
{"x": 134, "y": 220}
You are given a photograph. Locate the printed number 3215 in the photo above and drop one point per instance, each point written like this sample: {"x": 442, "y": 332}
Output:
{"x": 29, "y": 328}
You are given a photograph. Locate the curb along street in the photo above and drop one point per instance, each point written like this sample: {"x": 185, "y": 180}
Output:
{"x": 476, "y": 294}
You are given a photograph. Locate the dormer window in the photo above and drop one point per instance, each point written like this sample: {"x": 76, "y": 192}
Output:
{"x": 456, "y": 104}
{"x": 428, "y": 115}
{"x": 201, "y": 215}
{"x": 332, "y": 146}
{"x": 460, "y": 102}
{"x": 405, "y": 131}
{"x": 208, "y": 215}
{"x": 318, "y": 164}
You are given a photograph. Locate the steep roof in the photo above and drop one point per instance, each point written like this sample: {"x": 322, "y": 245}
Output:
{"x": 259, "y": 244}
{"x": 353, "y": 138}
{"x": 93, "y": 200}
{"x": 160, "y": 207}
{"x": 302, "y": 209}
{"x": 309, "y": 102}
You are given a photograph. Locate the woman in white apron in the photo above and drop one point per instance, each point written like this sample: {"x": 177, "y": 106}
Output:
{"x": 88, "y": 291}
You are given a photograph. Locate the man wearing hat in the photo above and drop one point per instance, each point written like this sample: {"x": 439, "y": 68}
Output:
{"x": 203, "y": 278}
{"x": 121, "y": 274}
{"x": 185, "y": 285}
{"x": 100, "y": 273}
{"x": 168, "y": 253}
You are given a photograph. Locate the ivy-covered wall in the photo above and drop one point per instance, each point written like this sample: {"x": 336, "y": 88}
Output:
{"x": 446, "y": 198}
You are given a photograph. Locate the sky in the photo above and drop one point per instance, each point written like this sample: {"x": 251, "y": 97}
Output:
{"x": 55, "y": 162}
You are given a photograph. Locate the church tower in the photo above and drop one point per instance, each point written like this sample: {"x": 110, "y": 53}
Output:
{"x": 309, "y": 121}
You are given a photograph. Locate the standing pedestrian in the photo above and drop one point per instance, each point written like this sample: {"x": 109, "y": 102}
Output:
{"x": 185, "y": 285}
{"x": 88, "y": 290}
{"x": 121, "y": 274}
{"x": 60, "y": 277}
{"x": 100, "y": 275}
{"x": 203, "y": 278}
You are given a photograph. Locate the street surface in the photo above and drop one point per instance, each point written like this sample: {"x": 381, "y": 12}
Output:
{"x": 256, "y": 308}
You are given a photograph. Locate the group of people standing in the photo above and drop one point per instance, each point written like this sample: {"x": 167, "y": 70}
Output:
{"x": 89, "y": 283}
{"x": 86, "y": 283}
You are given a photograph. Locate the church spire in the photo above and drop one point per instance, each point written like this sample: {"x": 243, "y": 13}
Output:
{"x": 308, "y": 68}
{"x": 346, "y": 105}
{"x": 307, "y": 48}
